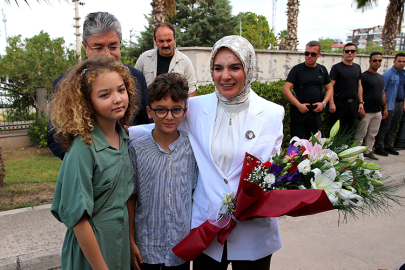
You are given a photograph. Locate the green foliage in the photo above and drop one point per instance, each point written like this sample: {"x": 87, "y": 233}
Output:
{"x": 326, "y": 44}
{"x": 273, "y": 91}
{"x": 144, "y": 42}
{"x": 37, "y": 130}
{"x": 203, "y": 23}
{"x": 126, "y": 54}
{"x": 371, "y": 47}
{"x": 255, "y": 28}
{"x": 35, "y": 61}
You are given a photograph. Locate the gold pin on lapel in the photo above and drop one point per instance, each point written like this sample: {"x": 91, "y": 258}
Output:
{"x": 250, "y": 135}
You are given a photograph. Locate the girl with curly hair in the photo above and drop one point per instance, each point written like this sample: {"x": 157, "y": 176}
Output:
{"x": 94, "y": 181}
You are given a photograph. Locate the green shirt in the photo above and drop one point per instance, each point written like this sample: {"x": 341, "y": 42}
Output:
{"x": 95, "y": 179}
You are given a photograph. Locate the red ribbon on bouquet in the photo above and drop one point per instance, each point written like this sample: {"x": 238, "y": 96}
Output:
{"x": 252, "y": 203}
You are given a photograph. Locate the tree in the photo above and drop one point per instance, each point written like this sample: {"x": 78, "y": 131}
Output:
{"x": 35, "y": 61}
{"x": 159, "y": 9}
{"x": 371, "y": 47}
{"x": 255, "y": 28}
{"x": 144, "y": 41}
{"x": 291, "y": 39}
{"x": 326, "y": 44}
{"x": 203, "y": 23}
{"x": 393, "y": 21}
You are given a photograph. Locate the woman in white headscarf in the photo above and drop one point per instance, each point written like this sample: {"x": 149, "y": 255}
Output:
{"x": 222, "y": 127}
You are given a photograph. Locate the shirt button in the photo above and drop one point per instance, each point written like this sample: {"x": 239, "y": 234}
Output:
{"x": 226, "y": 181}
{"x": 169, "y": 175}
{"x": 170, "y": 195}
{"x": 168, "y": 248}
{"x": 168, "y": 157}
{"x": 168, "y": 213}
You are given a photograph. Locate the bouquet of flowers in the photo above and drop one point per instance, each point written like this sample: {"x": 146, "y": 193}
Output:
{"x": 310, "y": 177}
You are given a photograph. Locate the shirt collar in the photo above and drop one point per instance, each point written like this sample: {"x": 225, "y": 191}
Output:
{"x": 172, "y": 146}
{"x": 100, "y": 141}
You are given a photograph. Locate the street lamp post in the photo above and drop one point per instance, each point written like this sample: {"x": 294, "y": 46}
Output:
{"x": 240, "y": 22}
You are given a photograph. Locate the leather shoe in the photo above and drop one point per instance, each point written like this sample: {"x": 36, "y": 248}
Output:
{"x": 371, "y": 156}
{"x": 391, "y": 151}
{"x": 381, "y": 152}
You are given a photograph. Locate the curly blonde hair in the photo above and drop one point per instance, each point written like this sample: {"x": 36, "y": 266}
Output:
{"x": 71, "y": 112}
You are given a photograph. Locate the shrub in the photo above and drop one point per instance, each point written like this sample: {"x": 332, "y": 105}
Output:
{"x": 273, "y": 92}
{"x": 37, "y": 130}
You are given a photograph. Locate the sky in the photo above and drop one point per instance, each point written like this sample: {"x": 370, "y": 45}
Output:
{"x": 316, "y": 19}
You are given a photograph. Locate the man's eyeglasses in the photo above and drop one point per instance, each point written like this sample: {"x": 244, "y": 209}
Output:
{"x": 111, "y": 48}
{"x": 163, "y": 112}
{"x": 313, "y": 54}
{"x": 350, "y": 51}
{"x": 377, "y": 60}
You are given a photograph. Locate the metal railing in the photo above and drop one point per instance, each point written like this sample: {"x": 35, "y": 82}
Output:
{"x": 16, "y": 110}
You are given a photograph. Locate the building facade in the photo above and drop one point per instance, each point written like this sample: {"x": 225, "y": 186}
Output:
{"x": 362, "y": 36}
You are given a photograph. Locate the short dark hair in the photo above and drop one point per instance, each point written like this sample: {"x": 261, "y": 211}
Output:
{"x": 100, "y": 23}
{"x": 168, "y": 84}
{"x": 167, "y": 24}
{"x": 314, "y": 43}
{"x": 399, "y": 54}
{"x": 349, "y": 44}
{"x": 374, "y": 53}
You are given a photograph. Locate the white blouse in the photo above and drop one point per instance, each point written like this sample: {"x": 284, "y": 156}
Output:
{"x": 228, "y": 129}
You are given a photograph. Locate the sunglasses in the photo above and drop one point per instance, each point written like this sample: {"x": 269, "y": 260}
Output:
{"x": 352, "y": 51}
{"x": 313, "y": 54}
{"x": 377, "y": 60}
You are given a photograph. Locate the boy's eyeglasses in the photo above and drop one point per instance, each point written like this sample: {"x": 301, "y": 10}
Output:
{"x": 313, "y": 54}
{"x": 350, "y": 51}
{"x": 100, "y": 50}
{"x": 163, "y": 112}
{"x": 377, "y": 60}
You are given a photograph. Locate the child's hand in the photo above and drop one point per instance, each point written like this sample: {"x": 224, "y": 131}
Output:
{"x": 136, "y": 257}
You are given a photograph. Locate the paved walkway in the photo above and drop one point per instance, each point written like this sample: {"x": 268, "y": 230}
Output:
{"x": 30, "y": 238}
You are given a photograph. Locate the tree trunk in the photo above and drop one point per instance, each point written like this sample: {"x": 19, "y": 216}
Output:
{"x": 291, "y": 39}
{"x": 2, "y": 169}
{"x": 392, "y": 25}
{"x": 158, "y": 11}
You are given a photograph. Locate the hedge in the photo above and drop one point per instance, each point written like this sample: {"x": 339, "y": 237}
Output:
{"x": 273, "y": 91}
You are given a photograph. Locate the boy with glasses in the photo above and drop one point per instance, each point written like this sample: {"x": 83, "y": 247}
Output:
{"x": 346, "y": 102}
{"x": 307, "y": 102}
{"x": 374, "y": 102}
{"x": 165, "y": 175}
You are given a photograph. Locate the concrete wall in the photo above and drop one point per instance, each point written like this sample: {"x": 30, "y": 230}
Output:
{"x": 12, "y": 140}
{"x": 273, "y": 65}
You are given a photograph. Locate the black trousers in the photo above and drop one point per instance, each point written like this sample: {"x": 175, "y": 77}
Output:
{"x": 145, "y": 266}
{"x": 204, "y": 262}
{"x": 388, "y": 127}
{"x": 346, "y": 112}
{"x": 304, "y": 124}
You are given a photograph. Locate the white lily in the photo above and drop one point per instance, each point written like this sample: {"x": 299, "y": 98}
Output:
{"x": 349, "y": 197}
{"x": 326, "y": 182}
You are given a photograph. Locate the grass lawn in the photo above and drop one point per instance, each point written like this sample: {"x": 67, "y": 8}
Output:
{"x": 31, "y": 174}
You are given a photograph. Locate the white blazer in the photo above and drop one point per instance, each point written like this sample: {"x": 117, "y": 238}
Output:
{"x": 250, "y": 240}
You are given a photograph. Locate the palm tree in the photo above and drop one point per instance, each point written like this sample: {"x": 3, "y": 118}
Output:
{"x": 291, "y": 40}
{"x": 393, "y": 21}
{"x": 159, "y": 9}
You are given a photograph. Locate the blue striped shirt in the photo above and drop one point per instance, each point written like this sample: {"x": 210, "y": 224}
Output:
{"x": 163, "y": 184}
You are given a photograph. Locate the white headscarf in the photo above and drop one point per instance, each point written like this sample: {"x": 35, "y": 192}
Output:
{"x": 246, "y": 54}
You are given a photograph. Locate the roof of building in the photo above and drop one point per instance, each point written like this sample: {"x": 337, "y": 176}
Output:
{"x": 338, "y": 45}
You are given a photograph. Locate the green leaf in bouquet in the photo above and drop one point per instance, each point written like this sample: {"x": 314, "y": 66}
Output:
{"x": 314, "y": 140}
{"x": 358, "y": 164}
{"x": 371, "y": 166}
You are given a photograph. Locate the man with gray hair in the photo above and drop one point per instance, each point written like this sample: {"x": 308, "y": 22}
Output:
{"x": 307, "y": 101}
{"x": 102, "y": 34}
